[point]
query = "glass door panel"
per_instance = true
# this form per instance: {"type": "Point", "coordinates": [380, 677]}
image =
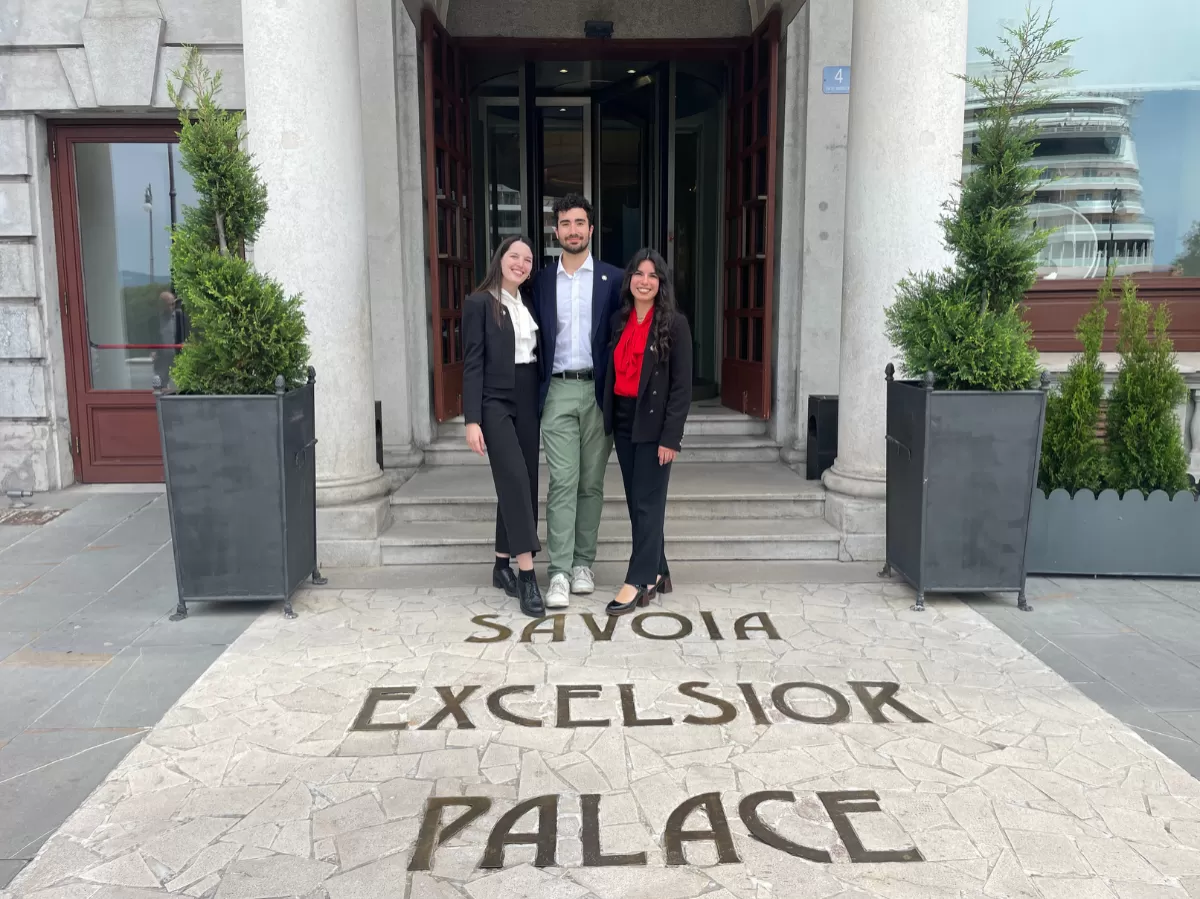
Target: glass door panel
{"type": "Point", "coordinates": [565, 138]}
{"type": "Point", "coordinates": [503, 164]}
{"type": "Point", "coordinates": [698, 126]}
{"type": "Point", "coordinates": [625, 119]}
{"type": "Point", "coordinates": [128, 197]}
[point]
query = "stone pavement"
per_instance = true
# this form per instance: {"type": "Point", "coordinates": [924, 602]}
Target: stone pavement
{"type": "Point", "coordinates": [758, 741]}
{"type": "Point", "coordinates": [88, 661]}
{"type": "Point", "coordinates": [1132, 646]}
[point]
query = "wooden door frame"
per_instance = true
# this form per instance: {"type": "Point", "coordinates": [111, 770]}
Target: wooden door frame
{"type": "Point", "coordinates": [61, 137]}
{"type": "Point", "coordinates": [447, 375]}
{"type": "Point", "coordinates": [734, 215]}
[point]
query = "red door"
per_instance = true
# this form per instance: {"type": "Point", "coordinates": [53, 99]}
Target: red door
{"type": "Point", "coordinates": [448, 207]}
{"type": "Point", "coordinates": [118, 188]}
{"type": "Point", "coordinates": [750, 224]}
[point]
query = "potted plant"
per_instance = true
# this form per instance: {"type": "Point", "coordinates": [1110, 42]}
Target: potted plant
{"type": "Point", "coordinates": [964, 434]}
{"type": "Point", "coordinates": [238, 427]}
{"type": "Point", "coordinates": [1124, 506]}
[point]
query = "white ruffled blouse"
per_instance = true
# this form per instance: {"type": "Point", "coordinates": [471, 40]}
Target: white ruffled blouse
{"type": "Point", "coordinates": [524, 327]}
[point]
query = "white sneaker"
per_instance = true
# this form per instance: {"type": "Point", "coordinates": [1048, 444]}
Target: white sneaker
{"type": "Point", "coordinates": [582, 580]}
{"type": "Point", "coordinates": [559, 594]}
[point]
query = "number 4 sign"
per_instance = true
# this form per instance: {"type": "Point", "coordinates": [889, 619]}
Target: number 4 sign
{"type": "Point", "coordinates": [836, 80]}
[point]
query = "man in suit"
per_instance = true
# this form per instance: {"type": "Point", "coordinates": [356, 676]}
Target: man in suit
{"type": "Point", "coordinates": [574, 302]}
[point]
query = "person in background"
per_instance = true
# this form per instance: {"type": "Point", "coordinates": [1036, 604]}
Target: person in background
{"type": "Point", "coordinates": [575, 301]}
{"type": "Point", "coordinates": [647, 395]}
{"type": "Point", "coordinates": [500, 407]}
{"type": "Point", "coordinates": [170, 335]}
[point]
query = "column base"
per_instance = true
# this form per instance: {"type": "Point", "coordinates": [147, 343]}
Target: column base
{"type": "Point", "coordinates": [344, 491]}
{"type": "Point", "coordinates": [348, 531]}
{"type": "Point", "coordinates": [406, 456]}
{"type": "Point", "coordinates": [857, 506]}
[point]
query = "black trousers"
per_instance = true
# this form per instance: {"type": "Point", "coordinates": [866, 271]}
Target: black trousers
{"type": "Point", "coordinates": [510, 430]}
{"type": "Point", "coordinates": [645, 495]}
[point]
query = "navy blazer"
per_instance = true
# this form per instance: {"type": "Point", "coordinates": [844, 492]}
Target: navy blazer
{"type": "Point", "coordinates": [606, 300]}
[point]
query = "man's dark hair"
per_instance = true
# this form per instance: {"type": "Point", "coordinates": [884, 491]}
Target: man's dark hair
{"type": "Point", "coordinates": [572, 201]}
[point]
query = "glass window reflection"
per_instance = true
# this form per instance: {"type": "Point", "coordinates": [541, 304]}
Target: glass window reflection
{"type": "Point", "coordinates": [1121, 143]}
{"type": "Point", "coordinates": [129, 195]}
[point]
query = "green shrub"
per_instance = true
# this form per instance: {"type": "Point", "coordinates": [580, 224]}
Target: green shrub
{"type": "Point", "coordinates": [1145, 447]}
{"type": "Point", "coordinates": [936, 321]}
{"type": "Point", "coordinates": [244, 330]}
{"type": "Point", "coordinates": [964, 324]}
{"type": "Point", "coordinates": [1072, 453]}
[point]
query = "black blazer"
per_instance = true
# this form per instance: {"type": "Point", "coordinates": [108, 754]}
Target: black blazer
{"type": "Point", "coordinates": [606, 300]}
{"type": "Point", "coordinates": [665, 393]}
{"type": "Point", "coordinates": [489, 352]}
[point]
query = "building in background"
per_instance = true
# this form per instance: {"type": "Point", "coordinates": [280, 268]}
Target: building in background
{"type": "Point", "coordinates": [1091, 190]}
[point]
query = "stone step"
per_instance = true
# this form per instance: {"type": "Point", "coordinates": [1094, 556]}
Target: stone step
{"type": "Point", "coordinates": [717, 448]}
{"type": "Point", "coordinates": [699, 492]}
{"type": "Point", "coordinates": [704, 421]}
{"type": "Point", "coordinates": [465, 542]}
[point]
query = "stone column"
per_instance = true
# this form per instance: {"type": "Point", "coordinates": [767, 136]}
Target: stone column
{"type": "Point", "coordinates": [903, 160]}
{"type": "Point", "coordinates": [304, 116]}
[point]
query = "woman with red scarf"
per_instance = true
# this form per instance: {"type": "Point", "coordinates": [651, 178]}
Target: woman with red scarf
{"type": "Point", "coordinates": [647, 395]}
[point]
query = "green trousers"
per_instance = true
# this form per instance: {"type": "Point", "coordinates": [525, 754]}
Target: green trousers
{"type": "Point", "coordinates": [577, 452]}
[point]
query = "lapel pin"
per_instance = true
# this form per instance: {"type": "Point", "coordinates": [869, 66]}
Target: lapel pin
{"type": "Point", "coordinates": [604, 277]}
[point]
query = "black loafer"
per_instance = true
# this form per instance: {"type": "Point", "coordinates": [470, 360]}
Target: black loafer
{"type": "Point", "coordinates": [504, 579]}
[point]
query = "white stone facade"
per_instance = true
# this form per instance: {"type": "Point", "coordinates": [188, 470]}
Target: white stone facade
{"type": "Point", "coordinates": [346, 94]}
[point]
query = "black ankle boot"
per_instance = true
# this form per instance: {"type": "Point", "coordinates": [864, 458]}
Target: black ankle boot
{"type": "Point", "coordinates": [504, 579]}
{"type": "Point", "coordinates": [530, 595]}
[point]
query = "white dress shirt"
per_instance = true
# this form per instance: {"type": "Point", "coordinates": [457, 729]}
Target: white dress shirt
{"type": "Point", "coordinates": [573, 348]}
{"type": "Point", "coordinates": [524, 327]}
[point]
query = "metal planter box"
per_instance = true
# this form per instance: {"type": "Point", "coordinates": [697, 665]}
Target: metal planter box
{"type": "Point", "coordinates": [961, 468]}
{"type": "Point", "coordinates": [1130, 536]}
{"type": "Point", "coordinates": [241, 494]}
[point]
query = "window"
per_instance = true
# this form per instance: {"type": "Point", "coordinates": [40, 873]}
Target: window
{"type": "Point", "coordinates": [1121, 143]}
{"type": "Point", "coordinates": [129, 196]}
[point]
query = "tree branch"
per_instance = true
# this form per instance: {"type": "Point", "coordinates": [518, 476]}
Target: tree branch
{"type": "Point", "coordinates": [224, 248]}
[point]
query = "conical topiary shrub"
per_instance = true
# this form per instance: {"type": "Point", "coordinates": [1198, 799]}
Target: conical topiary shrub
{"type": "Point", "coordinates": [964, 323]}
{"type": "Point", "coordinates": [244, 330]}
{"type": "Point", "coordinates": [1072, 453]}
{"type": "Point", "coordinates": [1145, 447]}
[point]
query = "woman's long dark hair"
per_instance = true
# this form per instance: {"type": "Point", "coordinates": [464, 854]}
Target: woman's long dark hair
{"type": "Point", "coordinates": [665, 305]}
{"type": "Point", "coordinates": [493, 278]}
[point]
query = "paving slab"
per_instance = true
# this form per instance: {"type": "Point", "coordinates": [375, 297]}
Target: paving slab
{"type": "Point", "coordinates": [88, 660]}
{"type": "Point", "coordinates": [736, 740]}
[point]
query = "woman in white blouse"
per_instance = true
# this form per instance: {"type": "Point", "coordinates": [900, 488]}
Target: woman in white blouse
{"type": "Point", "coordinates": [500, 406]}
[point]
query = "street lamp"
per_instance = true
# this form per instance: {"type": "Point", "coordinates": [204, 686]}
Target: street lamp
{"type": "Point", "coordinates": [148, 205]}
{"type": "Point", "coordinates": [1116, 202]}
